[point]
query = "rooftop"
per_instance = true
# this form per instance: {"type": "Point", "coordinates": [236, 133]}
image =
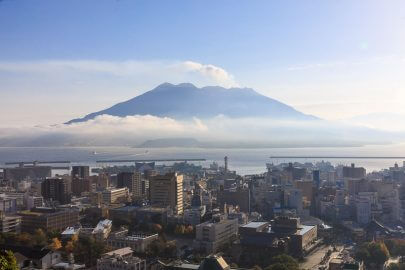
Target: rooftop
{"type": "Point", "coordinates": [304, 229]}
{"type": "Point", "coordinates": [70, 231]}
{"type": "Point", "coordinates": [120, 252]}
{"type": "Point", "coordinates": [254, 225]}
{"type": "Point", "coordinates": [102, 225]}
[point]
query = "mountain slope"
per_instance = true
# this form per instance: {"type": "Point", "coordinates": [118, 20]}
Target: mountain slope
{"type": "Point", "coordinates": [186, 101]}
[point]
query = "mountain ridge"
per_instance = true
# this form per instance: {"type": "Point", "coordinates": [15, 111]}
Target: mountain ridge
{"type": "Point", "coordinates": [185, 100]}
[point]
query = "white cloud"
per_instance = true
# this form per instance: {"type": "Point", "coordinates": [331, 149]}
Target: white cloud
{"type": "Point", "coordinates": [55, 91]}
{"type": "Point", "coordinates": [216, 73]}
{"type": "Point", "coordinates": [127, 68]}
{"type": "Point", "coordinates": [221, 131]}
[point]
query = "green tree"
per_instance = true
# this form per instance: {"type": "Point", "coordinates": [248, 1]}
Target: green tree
{"type": "Point", "coordinates": [8, 261]}
{"type": "Point", "coordinates": [283, 262]}
{"type": "Point", "coordinates": [373, 253]}
{"type": "Point", "coordinates": [277, 266]}
{"type": "Point", "coordinates": [40, 238]}
{"type": "Point", "coordinates": [87, 250]}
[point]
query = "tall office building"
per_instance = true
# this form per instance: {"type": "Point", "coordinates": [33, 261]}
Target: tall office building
{"type": "Point", "coordinates": [55, 189]}
{"type": "Point", "coordinates": [316, 178]}
{"type": "Point", "coordinates": [354, 172]}
{"type": "Point", "coordinates": [102, 181]}
{"type": "Point", "coordinates": [131, 180]}
{"type": "Point", "coordinates": [167, 190]}
{"type": "Point", "coordinates": [80, 185]}
{"type": "Point", "coordinates": [240, 197]}
{"type": "Point", "coordinates": [80, 172]}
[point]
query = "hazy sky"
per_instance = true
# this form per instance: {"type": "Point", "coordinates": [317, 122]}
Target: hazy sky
{"type": "Point", "coordinates": [335, 59]}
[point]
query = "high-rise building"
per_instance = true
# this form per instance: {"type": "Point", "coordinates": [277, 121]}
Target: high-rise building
{"type": "Point", "coordinates": [306, 186]}
{"type": "Point", "coordinates": [363, 210]}
{"type": "Point", "coordinates": [131, 180]}
{"type": "Point", "coordinates": [354, 172]}
{"type": "Point", "coordinates": [294, 199]}
{"type": "Point", "coordinates": [400, 203]}
{"type": "Point", "coordinates": [55, 189]}
{"type": "Point", "coordinates": [102, 181]}
{"type": "Point", "coordinates": [316, 178]}
{"type": "Point", "coordinates": [80, 172]}
{"type": "Point", "coordinates": [240, 197]}
{"type": "Point", "coordinates": [80, 185]}
{"type": "Point", "coordinates": [167, 190]}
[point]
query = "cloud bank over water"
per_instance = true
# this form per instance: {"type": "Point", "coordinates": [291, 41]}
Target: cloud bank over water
{"type": "Point", "coordinates": [220, 131]}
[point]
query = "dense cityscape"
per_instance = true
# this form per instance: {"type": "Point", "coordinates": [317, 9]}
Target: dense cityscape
{"type": "Point", "coordinates": [149, 215]}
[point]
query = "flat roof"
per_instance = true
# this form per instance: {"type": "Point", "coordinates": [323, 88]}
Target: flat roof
{"type": "Point", "coordinates": [28, 212]}
{"type": "Point", "coordinates": [304, 229]}
{"type": "Point", "coordinates": [188, 266]}
{"type": "Point", "coordinates": [121, 252]}
{"type": "Point", "coordinates": [255, 224]}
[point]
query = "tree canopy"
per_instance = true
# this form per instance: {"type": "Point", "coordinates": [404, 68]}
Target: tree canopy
{"type": "Point", "coordinates": [283, 262]}
{"type": "Point", "coordinates": [8, 260]}
{"type": "Point", "coordinates": [373, 253]}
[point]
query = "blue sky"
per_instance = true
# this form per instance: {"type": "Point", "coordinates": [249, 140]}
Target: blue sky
{"type": "Point", "coordinates": [335, 59]}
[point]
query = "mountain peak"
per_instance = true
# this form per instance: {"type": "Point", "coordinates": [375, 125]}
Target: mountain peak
{"type": "Point", "coordinates": [184, 101]}
{"type": "Point", "coordinates": [168, 85]}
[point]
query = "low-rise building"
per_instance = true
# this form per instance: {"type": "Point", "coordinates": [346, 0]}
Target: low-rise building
{"type": "Point", "coordinates": [122, 259]}
{"type": "Point", "coordinates": [113, 195]}
{"type": "Point", "coordinates": [342, 264]}
{"type": "Point", "coordinates": [8, 205]}
{"type": "Point", "coordinates": [148, 214]}
{"type": "Point", "coordinates": [212, 262]}
{"type": "Point", "coordinates": [103, 229]}
{"type": "Point", "coordinates": [32, 256]}
{"type": "Point", "coordinates": [212, 235]}
{"type": "Point", "coordinates": [10, 223]}
{"type": "Point", "coordinates": [69, 232]}
{"type": "Point", "coordinates": [263, 234]}
{"type": "Point", "coordinates": [48, 219]}
{"type": "Point", "coordinates": [34, 201]}
{"type": "Point", "coordinates": [138, 242]}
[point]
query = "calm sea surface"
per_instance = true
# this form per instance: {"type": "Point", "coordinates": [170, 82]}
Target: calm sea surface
{"type": "Point", "coordinates": [244, 161]}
